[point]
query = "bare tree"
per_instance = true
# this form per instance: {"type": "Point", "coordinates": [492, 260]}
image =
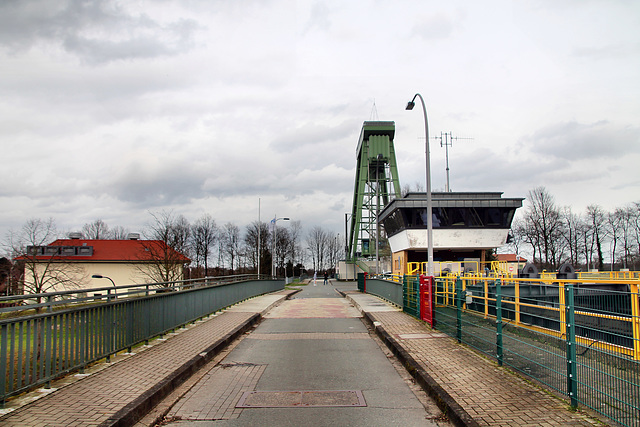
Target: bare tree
{"type": "Point", "coordinates": [283, 248]}
{"type": "Point", "coordinates": [518, 236]}
{"type": "Point", "coordinates": [96, 230]}
{"type": "Point", "coordinates": [628, 221]}
{"type": "Point", "coordinates": [573, 228]}
{"type": "Point", "coordinates": [297, 253]}
{"type": "Point", "coordinates": [333, 250]}
{"type": "Point", "coordinates": [119, 233]}
{"type": "Point", "coordinates": [205, 232]}
{"type": "Point", "coordinates": [44, 269]}
{"type": "Point", "coordinates": [230, 242]}
{"type": "Point", "coordinates": [636, 231]}
{"type": "Point", "coordinates": [614, 231]}
{"type": "Point", "coordinates": [255, 251]}
{"type": "Point", "coordinates": [543, 227]}
{"type": "Point", "coordinates": [317, 247]}
{"type": "Point", "coordinates": [596, 221]}
{"type": "Point", "coordinates": [417, 188]}
{"type": "Point", "coordinates": [166, 251]}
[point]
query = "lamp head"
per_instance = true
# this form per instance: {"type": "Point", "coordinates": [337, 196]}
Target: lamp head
{"type": "Point", "coordinates": [97, 276]}
{"type": "Point", "coordinates": [410, 105]}
{"type": "Point", "coordinates": [285, 219]}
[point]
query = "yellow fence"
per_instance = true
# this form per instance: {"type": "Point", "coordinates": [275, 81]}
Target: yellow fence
{"type": "Point", "coordinates": [612, 302]}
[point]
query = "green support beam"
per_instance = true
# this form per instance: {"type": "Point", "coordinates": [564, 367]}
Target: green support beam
{"type": "Point", "coordinates": [376, 184]}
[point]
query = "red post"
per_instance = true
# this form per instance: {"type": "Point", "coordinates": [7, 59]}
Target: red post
{"type": "Point", "coordinates": [426, 299]}
{"type": "Point", "coordinates": [365, 283]}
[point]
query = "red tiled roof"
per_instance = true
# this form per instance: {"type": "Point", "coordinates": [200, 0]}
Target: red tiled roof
{"type": "Point", "coordinates": [510, 258]}
{"type": "Point", "coordinates": [117, 250]}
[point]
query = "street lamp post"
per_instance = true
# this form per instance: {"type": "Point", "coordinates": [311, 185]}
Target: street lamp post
{"type": "Point", "coordinates": [99, 276]}
{"type": "Point", "coordinates": [410, 106]}
{"type": "Point", "coordinates": [275, 231]}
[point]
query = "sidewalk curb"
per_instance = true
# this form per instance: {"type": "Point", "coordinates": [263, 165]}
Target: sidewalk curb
{"type": "Point", "coordinates": [136, 409]}
{"type": "Point", "coordinates": [445, 402]}
{"type": "Point", "coordinates": [456, 413]}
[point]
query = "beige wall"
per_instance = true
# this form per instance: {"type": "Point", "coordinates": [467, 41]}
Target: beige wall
{"type": "Point", "coordinates": [81, 272]}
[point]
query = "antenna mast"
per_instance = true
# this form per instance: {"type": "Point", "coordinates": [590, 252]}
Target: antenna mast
{"type": "Point", "coordinates": [446, 140]}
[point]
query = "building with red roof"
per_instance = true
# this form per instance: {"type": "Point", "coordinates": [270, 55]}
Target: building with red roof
{"type": "Point", "coordinates": [73, 262]}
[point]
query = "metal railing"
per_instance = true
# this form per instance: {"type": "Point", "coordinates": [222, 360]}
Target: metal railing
{"type": "Point", "coordinates": [580, 339]}
{"type": "Point", "coordinates": [77, 329]}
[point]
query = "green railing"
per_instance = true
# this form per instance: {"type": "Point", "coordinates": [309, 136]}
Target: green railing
{"type": "Point", "coordinates": [37, 348]}
{"type": "Point", "coordinates": [387, 287]}
{"type": "Point", "coordinates": [580, 339]}
{"type": "Point", "coordinates": [410, 294]}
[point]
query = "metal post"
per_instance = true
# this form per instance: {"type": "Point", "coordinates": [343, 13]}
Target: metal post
{"type": "Point", "coordinates": [499, 348]}
{"type": "Point", "coordinates": [635, 320]}
{"type": "Point", "coordinates": [259, 230]}
{"type": "Point", "coordinates": [572, 366]}
{"type": "Point", "coordinates": [4, 330]}
{"type": "Point", "coordinates": [410, 106]}
{"type": "Point", "coordinates": [458, 290]}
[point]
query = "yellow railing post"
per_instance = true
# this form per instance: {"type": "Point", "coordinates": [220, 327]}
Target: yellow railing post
{"type": "Point", "coordinates": [563, 314]}
{"type": "Point", "coordinates": [635, 320]}
{"type": "Point", "coordinates": [464, 289]}
{"type": "Point", "coordinates": [516, 285]}
{"type": "Point", "coordinates": [486, 298]}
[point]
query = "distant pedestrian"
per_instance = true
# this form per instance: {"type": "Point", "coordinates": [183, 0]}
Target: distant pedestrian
{"type": "Point", "coordinates": [326, 277]}
{"type": "Point", "coordinates": [315, 277]}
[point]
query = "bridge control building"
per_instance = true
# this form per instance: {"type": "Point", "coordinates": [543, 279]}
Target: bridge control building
{"type": "Point", "coordinates": [383, 223]}
{"type": "Point", "coordinates": [465, 226]}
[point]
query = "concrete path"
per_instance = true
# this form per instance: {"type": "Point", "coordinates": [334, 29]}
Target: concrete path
{"type": "Point", "coordinates": [310, 362]}
{"type": "Point", "coordinates": [471, 389]}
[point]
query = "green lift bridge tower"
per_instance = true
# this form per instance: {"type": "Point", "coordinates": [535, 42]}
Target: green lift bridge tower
{"type": "Point", "coordinates": [376, 184]}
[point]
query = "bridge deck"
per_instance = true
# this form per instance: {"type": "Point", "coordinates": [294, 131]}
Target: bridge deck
{"type": "Point", "coordinates": [473, 390]}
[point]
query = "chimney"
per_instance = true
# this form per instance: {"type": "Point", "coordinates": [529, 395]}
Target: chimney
{"type": "Point", "coordinates": [133, 236]}
{"type": "Point", "coordinates": [75, 235]}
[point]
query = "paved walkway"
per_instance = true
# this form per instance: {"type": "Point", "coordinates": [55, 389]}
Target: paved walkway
{"type": "Point", "coordinates": [472, 390]}
{"type": "Point", "coordinates": [469, 388]}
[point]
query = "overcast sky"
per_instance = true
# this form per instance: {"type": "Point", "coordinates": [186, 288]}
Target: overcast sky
{"type": "Point", "coordinates": [114, 109]}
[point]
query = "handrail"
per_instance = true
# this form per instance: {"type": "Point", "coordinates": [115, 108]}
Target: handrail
{"type": "Point", "coordinates": [13, 303]}
{"type": "Point", "coordinates": [36, 348]}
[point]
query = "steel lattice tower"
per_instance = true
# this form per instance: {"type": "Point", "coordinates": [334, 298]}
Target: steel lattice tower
{"type": "Point", "coordinates": [375, 185]}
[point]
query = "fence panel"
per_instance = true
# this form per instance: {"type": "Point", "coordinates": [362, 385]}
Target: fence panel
{"type": "Point", "coordinates": [410, 295]}
{"type": "Point", "coordinates": [580, 339]}
{"type": "Point", "coordinates": [36, 349]}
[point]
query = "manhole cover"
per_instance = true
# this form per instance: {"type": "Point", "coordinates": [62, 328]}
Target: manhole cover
{"type": "Point", "coordinates": [296, 399]}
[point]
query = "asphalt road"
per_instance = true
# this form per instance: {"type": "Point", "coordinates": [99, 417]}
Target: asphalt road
{"type": "Point", "coordinates": [311, 362]}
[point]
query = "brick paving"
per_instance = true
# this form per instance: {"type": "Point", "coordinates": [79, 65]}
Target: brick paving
{"type": "Point", "coordinates": [490, 395]}
{"type": "Point", "coordinates": [122, 392]}
{"type": "Point", "coordinates": [215, 396]}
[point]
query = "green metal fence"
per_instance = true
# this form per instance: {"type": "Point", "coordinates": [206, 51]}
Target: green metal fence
{"type": "Point", "coordinates": [411, 295]}
{"type": "Point", "coordinates": [580, 339]}
{"type": "Point", "coordinates": [38, 348]}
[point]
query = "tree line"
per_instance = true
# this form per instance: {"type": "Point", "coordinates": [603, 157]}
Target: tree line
{"type": "Point", "coordinates": [594, 239]}
{"type": "Point", "coordinates": [213, 249]}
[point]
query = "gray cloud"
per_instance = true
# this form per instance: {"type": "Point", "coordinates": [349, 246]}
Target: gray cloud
{"type": "Point", "coordinates": [572, 140]}
{"type": "Point", "coordinates": [111, 109]}
{"type": "Point", "coordinates": [97, 32]}
{"type": "Point", "coordinates": [433, 27]}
